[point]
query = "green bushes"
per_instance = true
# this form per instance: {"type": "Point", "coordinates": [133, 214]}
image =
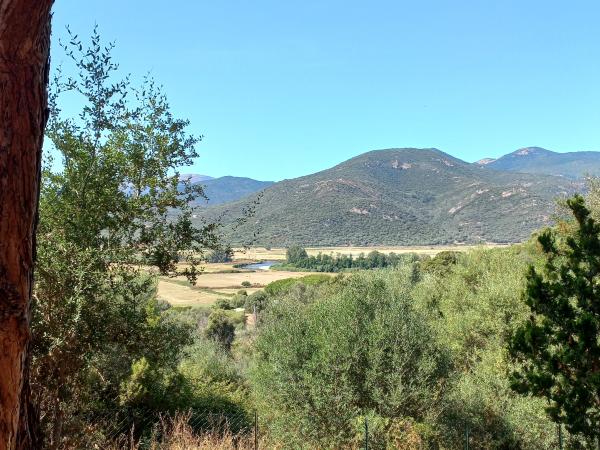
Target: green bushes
{"type": "Point", "coordinates": [281, 286]}
{"type": "Point", "coordinates": [422, 355]}
{"type": "Point", "coordinates": [558, 345]}
{"type": "Point", "coordinates": [295, 254]}
{"type": "Point", "coordinates": [220, 329]}
{"type": "Point", "coordinates": [359, 349]}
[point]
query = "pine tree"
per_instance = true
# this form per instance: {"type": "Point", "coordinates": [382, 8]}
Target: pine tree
{"type": "Point", "coordinates": [558, 349]}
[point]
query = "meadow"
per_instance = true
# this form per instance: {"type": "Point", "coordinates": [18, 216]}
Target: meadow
{"type": "Point", "coordinates": [218, 280]}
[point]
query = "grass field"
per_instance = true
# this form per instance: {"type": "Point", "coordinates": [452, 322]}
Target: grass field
{"type": "Point", "coordinates": [277, 254]}
{"type": "Point", "coordinates": [217, 281]}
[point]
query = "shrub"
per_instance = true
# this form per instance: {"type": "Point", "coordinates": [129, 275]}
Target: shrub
{"type": "Point", "coordinates": [220, 329]}
{"type": "Point", "coordinates": [281, 286]}
{"type": "Point", "coordinates": [362, 348]}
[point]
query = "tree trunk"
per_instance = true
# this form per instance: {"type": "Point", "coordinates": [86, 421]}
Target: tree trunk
{"type": "Point", "coordinates": [24, 63]}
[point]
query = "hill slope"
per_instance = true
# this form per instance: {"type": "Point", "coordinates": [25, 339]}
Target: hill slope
{"type": "Point", "coordinates": [539, 160]}
{"type": "Point", "coordinates": [228, 189]}
{"type": "Point", "coordinates": [399, 197]}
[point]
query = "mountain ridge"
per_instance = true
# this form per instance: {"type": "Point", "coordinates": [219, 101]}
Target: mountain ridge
{"type": "Point", "coordinates": [400, 196]}
{"type": "Point", "coordinates": [538, 160]}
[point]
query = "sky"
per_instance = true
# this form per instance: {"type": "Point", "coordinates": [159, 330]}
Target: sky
{"type": "Point", "coordinates": [281, 89]}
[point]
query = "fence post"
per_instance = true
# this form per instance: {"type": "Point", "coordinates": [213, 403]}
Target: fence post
{"type": "Point", "coordinates": [467, 437]}
{"type": "Point", "coordinates": [560, 437]}
{"type": "Point", "coordinates": [255, 430]}
{"type": "Point", "coordinates": [366, 434]}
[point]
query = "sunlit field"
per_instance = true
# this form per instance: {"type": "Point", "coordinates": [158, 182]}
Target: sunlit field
{"type": "Point", "coordinates": [277, 254]}
{"type": "Point", "coordinates": [217, 281]}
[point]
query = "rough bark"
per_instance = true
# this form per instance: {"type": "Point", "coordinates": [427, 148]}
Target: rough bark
{"type": "Point", "coordinates": [24, 63]}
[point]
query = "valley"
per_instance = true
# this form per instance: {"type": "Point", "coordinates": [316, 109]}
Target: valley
{"type": "Point", "coordinates": [224, 280]}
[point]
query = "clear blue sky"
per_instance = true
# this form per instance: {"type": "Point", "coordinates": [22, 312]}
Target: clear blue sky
{"type": "Point", "coordinates": [285, 88]}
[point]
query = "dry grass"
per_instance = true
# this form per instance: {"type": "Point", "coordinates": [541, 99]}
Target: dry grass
{"type": "Point", "coordinates": [211, 286]}
{"type": "Point", "coordinates": [180, 295]}
{"type": "Point", "coordinates": [235, 280]}
{"type": "Point", "coordinates": [177, 435]}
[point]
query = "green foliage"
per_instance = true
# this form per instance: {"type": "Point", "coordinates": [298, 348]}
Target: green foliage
{"type": "Point", "coordinates": [558, 347]}
{"type": "Point", "coordinates": [119, 178]}
{"type": "Point", "coordinates": [468, 309]}
{"type": "Point", "coordinates": [220, 329]}
{"type": "Point", "coordinates": [220, 255]}
{"type": "Point", "coordinates": [281, 286]}
{"type": "Point", "coordinates": [215, 385]}
{"type": "Point", "coordinates": [258, 300]}
{"type": "Point", "coordinates": [295, 254]}
{"type": "Point", "coordinates": [246, 284]}
{"type": "Point", "coordinates": [223, 303]}
{"type": "Point", "coordinates": [101, 340]}
{"type": "Point", "coordinates": [440, 263]}
{"type": "Point", "coordinates": [358, 349]}
{"type": "Point", "coordinates": [329, 263]}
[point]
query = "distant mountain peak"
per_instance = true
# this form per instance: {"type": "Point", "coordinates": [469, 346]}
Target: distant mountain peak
{"type": "Point", "coordinates": [528, 151]}
{"type": "Point", "coordinates": [195, 177]}
{"type": "Point", "coordinates": [573, 165]}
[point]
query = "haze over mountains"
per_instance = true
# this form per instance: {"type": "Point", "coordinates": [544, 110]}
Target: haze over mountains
{"type": "Point", "coordinates": [408, 197]}
{"type": "Point", "coordinates": [539, 160]}
{"type": "Point", "coordinates": [227, 189]}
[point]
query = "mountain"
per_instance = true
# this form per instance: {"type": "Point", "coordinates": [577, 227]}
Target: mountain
{"type": "Point", "coordinates": [539, 160]}
{"type": "Point", "coordinates": [398, 197]}
{"type": "Point", "coordinates": [228, 189]}
{"type": "Point", "coordinates": [196, 178]}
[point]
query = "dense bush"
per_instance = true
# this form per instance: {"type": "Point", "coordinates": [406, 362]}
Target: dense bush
{"type": "Point", "coordinates": [281, 286]}
{"type": "Point", "coordinates": [360, 348]}
{"type": "Point", "coordinates": [220, 329]}
{"type": "Point", "coordinates": [421, 356]}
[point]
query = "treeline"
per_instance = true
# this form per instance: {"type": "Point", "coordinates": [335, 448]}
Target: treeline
{"type": "Point", "coordinates": [298, 258]}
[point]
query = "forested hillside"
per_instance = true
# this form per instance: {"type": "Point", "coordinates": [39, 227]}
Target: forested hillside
{"type": "Point", "coordinates": [399, 196]}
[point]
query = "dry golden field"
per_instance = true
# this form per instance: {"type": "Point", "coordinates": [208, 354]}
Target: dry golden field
{"type": "Point", "coordinates": [216, 282]}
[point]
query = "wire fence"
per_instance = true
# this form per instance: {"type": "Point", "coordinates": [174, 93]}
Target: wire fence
{"type": "Point", "coordinates": [144, 427]}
